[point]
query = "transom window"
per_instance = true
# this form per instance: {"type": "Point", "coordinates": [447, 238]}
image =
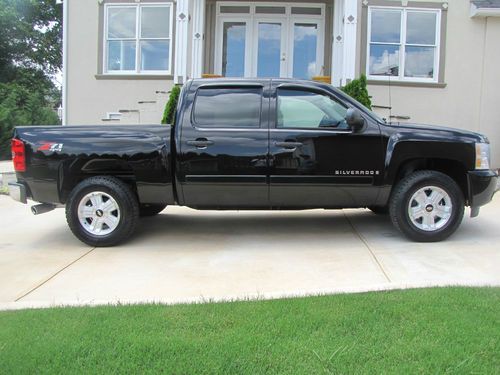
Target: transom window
{"type": "Point", "coordinates": [138, 38]}
{"type": "Point", "coordinates": [403, 43]}
{"type": "Point", "coordinates": [309, 110]}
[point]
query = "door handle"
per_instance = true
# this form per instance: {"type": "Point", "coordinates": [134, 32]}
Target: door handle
{"type": "Point", "coordinates": [288, 145]}
{"type": "Point", "coordinates": [200, 143]}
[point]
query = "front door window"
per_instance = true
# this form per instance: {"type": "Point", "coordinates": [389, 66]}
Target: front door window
{"type": "Point", "coordinates": [278, 40]}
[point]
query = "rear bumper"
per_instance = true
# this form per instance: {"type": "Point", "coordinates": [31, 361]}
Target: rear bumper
{"type": "Point", "coordinates": [482, 187]}
{"type": "Point", "coordinates": [17, 192]}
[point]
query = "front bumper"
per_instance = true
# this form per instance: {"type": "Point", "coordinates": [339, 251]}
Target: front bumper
{"type": "Point", "coordinates": [17, 192]}
{"type": "Point", "coordinates": [482, 187]}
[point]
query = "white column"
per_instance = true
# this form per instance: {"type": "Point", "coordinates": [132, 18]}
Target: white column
{"type": "Point", "coordinates": [345, 23]}
{"type": "Point", "coordinates": [350, 31]}
{"type": "Point", "coordinates": [181, 41]}
{"type": "Point", "coordinates": [338, 42]}
{"type": "Point", "coordinates": [198, 38]}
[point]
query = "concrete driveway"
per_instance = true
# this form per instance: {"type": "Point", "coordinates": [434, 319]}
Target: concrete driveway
{"type": "Point", "coordinates": [186, 255]}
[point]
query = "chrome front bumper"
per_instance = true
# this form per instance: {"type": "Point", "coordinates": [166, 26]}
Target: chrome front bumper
{"type": "Point", "coordinates": [17, 192]}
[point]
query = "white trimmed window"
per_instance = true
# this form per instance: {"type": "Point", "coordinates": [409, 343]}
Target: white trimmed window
{"type": "Point", "coordinates": [403, 44]}
{"type": "Point", "coordinates": [138, 38]}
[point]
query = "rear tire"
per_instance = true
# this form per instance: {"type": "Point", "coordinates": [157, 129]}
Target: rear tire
{"type": "Point", "coordinates": [427, 206]}
{"type": "Point", "coordinates": [102, 211]}
{"type": "Point", "coordinates": [151, 209]}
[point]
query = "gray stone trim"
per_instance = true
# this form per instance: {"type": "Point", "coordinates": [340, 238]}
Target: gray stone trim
{"type": "Point", "coordinates": [134, 77]}
{"type": "Point", "coordinates": [100, 33]}
{"type": "Point", "coordinates": [434, 85]}
{"type": "Point", "coordinates": [415, 4]}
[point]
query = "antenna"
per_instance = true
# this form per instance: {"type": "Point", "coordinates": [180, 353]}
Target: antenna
{"type": "Point", "coordinates": [390, 91]}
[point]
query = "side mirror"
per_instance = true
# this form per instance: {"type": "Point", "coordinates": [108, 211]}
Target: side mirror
{"type": "Point", "coordinates": [354, 119]}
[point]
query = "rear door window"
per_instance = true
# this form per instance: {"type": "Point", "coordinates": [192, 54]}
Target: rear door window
{"type": "Point", "coordinates": [228, 107]}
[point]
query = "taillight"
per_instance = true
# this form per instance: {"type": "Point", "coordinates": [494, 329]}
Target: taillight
{"type": "Point", "coordinates": [18, 155]}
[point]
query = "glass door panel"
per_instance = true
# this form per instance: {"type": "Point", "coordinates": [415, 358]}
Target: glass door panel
{"type": "Point", "coordinates": [269, 49]}
{"type": "Point", "coordinates": [305, 50]}
{"type": "Point", "coordinates": [233, 49]}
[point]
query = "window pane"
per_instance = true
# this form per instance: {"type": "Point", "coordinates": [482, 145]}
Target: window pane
{"type": "Point", "coordinates": [121, 55]}
{"type": "Point", "coordinates": [228, 107]}
{"type": "Point", "coordinates": [233, 49]}
{"type": "Point", "coordinates": [269, 52]}
{"type": "Point", "coordinates": [384, 60]}
{"type": "Point", "coordinates": [386, 26]}
{"type": "Point", "coordinates": [270, 10]}
{"type": "Point", "coordinates": [304, 109]}
{"type": "Point", "coordinates": [421, 28]}
{"type": "Point", "coordinates": [154, 54]}
{"type": "Point", "coordinates": [121, 22]}
{"type": "Point", "coordinates": [234, 9]}
{"type": "Point", "coordinates": [419, 62]}
{"type": "Point", "coordinates": [155, 22]}
{"type": "Point", "coordinates": [304, 50]}
{"type": "Point", "coordinates": [303, 10]}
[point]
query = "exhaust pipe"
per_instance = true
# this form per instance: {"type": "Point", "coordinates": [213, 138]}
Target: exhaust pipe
{"type": "Point", "coordinates": [42, 208]}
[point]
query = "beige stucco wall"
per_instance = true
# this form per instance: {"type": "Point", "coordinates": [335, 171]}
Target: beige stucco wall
{"type": "Point", "coordinates": [471, 98]}
{"type": "Point", "coordinates": [89, 99]}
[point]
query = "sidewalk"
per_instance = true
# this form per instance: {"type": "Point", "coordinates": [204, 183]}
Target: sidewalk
{"type": "Point", "coordinates": [6, 166]}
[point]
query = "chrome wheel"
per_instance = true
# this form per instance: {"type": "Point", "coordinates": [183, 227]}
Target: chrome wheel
{"type": "Point", "coordinates": [430, 208]}
{"type": "Point", "coordinates": [98, 213]}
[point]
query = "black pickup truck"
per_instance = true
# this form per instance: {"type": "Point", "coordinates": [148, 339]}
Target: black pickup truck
{"type": "Point", "coordinates": [260, 144]}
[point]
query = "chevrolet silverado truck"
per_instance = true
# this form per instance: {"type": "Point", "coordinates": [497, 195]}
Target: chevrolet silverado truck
{"type": "Point", "coordinates": [260, 144]}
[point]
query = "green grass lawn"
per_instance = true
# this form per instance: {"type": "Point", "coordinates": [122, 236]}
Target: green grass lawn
{"type": "Point", "coordinates": [438, 331]}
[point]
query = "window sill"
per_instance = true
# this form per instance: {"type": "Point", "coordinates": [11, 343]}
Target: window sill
{"type": "Point", "coordinates": [434, 85]}
{"type": "Point", "coordinates": [166, 77]}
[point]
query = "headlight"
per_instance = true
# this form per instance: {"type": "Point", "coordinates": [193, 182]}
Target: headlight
{"type": "Point", "coordinates": [482, 156]}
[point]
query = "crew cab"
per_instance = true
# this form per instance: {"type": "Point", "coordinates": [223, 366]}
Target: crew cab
{"type": "Point", "coordinates": [259, 144]}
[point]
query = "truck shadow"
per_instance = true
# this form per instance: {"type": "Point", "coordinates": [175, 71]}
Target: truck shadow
{"type": "Point", "coordinates": [202, 225]}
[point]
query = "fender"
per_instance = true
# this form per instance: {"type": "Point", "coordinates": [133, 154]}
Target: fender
{"type": "Point", "coordinates": [406, 144]}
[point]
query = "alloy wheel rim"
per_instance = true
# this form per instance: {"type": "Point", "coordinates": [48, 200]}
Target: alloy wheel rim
{"type": "Point", "coordinates": [430, 208]}
{"type": "Point", "coordinates": [98, 213]}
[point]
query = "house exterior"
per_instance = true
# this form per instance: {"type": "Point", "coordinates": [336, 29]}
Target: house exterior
{"type": "Point", "coordinates": [427, 61]}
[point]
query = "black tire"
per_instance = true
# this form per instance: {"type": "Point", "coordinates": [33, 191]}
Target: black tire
{"type": "Point", "coordinates": [127, 211]}
{"type": "Point", "coordinates": [399, 206]}
{"type": "Point", "coordinates": [379, 210]}
{"type": "Point", "coordinates": [151, 209]}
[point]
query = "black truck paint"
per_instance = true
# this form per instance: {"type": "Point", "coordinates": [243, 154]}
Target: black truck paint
{"type": "Point", "coordinates": [251, 165]}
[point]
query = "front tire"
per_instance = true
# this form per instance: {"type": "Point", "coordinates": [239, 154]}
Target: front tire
{"type": "Point", "coordinates": [427, 206]}
{"type": "Point", "coordinates": [102, 211]}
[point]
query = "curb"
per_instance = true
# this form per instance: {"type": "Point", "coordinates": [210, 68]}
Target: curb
{"type": "Point", "coordinates": [5, 178]}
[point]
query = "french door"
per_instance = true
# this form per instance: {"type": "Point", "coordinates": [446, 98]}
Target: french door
{"type": "Point", "coordinates": [287, 44]}
{"type": "Point", "coordinates": [269, 49]}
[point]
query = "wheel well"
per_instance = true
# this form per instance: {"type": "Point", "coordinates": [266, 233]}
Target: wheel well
{"type": "Point", "coordinates": [80, 170]}
{"type": "Point", "coordinates": [451, 168]}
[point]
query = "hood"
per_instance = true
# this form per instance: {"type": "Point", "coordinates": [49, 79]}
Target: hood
{"type": "Point", "coordinates": [440, 131]}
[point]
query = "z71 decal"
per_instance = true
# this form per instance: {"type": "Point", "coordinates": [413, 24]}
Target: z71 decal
{"type": "Point", "coordinates": [50, 146]}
